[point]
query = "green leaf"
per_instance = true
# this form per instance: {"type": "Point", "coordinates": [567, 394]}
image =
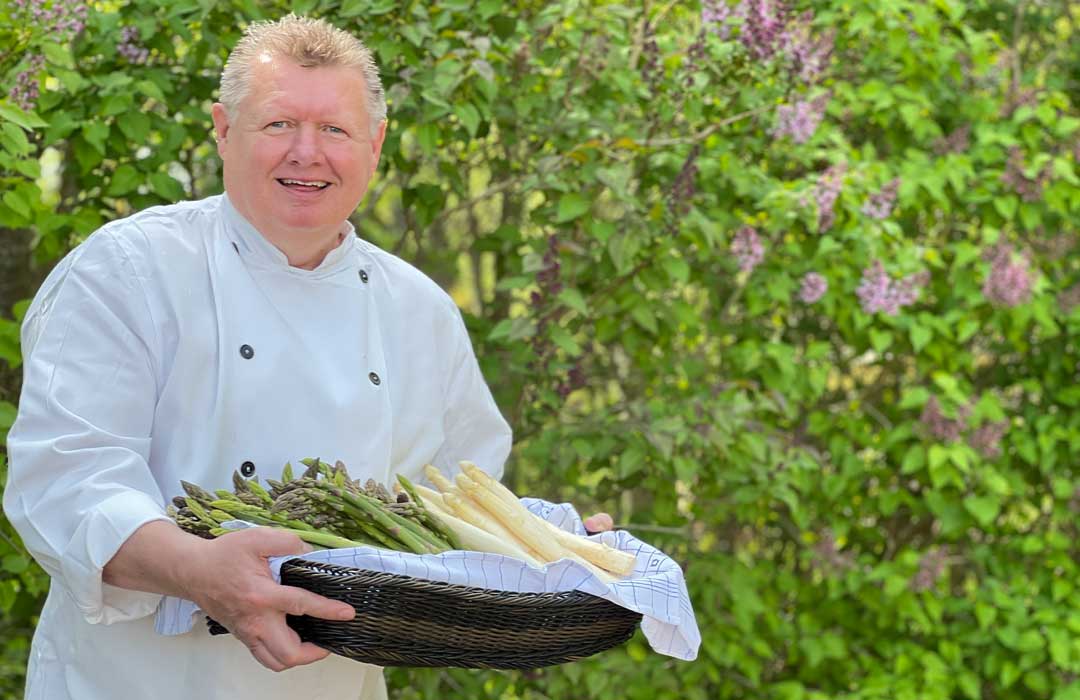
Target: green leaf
{"type": "Point", "coordinates": [95, 133]}
{"type": "Point", "coordinates": [352, 8]}
{"type": "Point", "coordinates": [116, 104]}
{"type": "Point", "coordinates": [166, 187]}
{"type": "Point", "coordinates": [677, 269]}
{"type": "Point", "coordinates": [124, 180]}
{"type": "Point", "coordinates": [1006, 206]}
{"type": "Point", "coordinates": [469, 116]}
{"type": "Point", "coordinates": [645, 318]}
{"type": "Point", "coordinates": [135, 125]}
{"type": "Point", "coordinates": [920, 336]}
{"type": "Point", "coordinates": [501, 329]}
{"type": "Point", "coordinates": [150, 89]}
{"type": "Point", "coordinates": [571, 206]}
{"type": "Point", "coordinates": [15, 563]}
{"type": "Point", "coordinates": [14, 139]}
{"type": "Point", "coordinates": [561, 337]}
{"type": "Point", "coordinates": [631, 461]}
{"type": "Point", "coordinates": [1069, 692]}
{"type": "Point", "coordinates": [914, 397]}
{"type": "Point", "coordinates": [16, 201]}
{"type": "Point", "coordinates": [881, 340]}
{"type": "Point", "coordinates": [914, 460]}
{"type": "Point", "coordinates": [573, 299]}
{"type": "Point", "coordinates": [58, 54]}
{"type": "Point", "coordinates": [427, 135]}
{"type": "Point", "coordinates": [27, 120]}
{"type": "Point", "coordinates": [984, 509]}
{"type": "Point", "coordinates": [969, 684]}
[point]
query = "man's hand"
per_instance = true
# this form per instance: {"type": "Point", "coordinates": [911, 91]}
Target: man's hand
{"type": "Point", "coordinates": [599, 522]}
{"type": "Point", "coordinates": [233, 585]}
{"type": "Point", "coordinates": [229, 578]}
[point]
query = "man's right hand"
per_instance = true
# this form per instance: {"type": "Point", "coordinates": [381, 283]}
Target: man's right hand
{"type": "Point", "coordinates": [233, 585]}
{"type": "Point", "coordinates": [229, 578]}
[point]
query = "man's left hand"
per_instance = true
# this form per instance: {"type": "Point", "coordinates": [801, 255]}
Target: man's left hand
{"type": "Point", "coordinates": [599, 522]}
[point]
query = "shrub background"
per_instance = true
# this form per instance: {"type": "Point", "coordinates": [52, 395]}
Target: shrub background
{"type": "Point", "coordinates": [789, 288]}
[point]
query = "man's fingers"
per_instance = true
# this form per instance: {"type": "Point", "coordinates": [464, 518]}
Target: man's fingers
{"type": "Point", "coordinates": [264, 657]}
{"type": "Point", "coordinates": [278, 647]}
{"type": "Point", "coordinates": [284, 644]}
{"type": "Point", "coordinates": [270, 542]}
{"type": "Point", "coordinates": [297, 601]}
{"type": "Point", "coordinates": [600, 522]}
{"type": "Point", "coordinates": [310, 653]}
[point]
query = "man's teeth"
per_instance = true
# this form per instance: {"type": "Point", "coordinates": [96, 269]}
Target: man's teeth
{"type": "Point", "coordinates": [306, 183]}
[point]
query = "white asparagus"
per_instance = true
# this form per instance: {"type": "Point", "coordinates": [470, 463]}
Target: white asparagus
{"type": "Point", "coordinates": [478, 540]}
{"type": "Point", "coordinates": [515, 520]}
{"type": "Point", "coordinates": [430, 496]}
{"type": "Point", "coordinates": [608, 558]}
{"type": "Point", "coordinates": [465, 509]}
{"type": "Point", "coordinates": [437, 479]}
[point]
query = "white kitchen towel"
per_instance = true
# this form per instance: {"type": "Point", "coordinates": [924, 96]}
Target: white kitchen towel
{"type": "Point", "coordinates": [656, 588]}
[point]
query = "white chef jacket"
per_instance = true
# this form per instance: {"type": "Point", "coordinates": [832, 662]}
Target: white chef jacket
{"type": "Point", "coordinates": [177, 344]}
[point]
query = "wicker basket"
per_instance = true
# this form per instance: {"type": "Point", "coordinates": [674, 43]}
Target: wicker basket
{"type": "Point", "coordinates": [404, 621]}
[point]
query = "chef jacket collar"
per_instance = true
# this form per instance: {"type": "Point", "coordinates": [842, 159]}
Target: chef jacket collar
{"type": "Point", "coordinates": [255, 249]}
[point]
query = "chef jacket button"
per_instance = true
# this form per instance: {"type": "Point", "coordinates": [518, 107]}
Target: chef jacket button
{"type": "Point", "coordinates": [247, 352]}
{"type": "Point", "coordinates": [374, 379]}
{"type": "Point", "coordinates": [363, 276]}
{"type": "Point", "coordinates": [247, 469]}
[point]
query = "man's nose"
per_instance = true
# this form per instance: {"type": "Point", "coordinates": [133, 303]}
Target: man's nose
{"type": "Point", "coordinates": [305, 148]}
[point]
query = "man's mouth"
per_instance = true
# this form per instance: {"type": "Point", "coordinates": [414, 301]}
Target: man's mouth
{"type": "Point", "coordinates": [304, 185]}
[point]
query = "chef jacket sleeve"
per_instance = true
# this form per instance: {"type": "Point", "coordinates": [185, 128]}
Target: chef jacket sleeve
{"type": "Point", "coordinates": [78, 482]}
{"type": "Point", "coordinates": [474, 429]}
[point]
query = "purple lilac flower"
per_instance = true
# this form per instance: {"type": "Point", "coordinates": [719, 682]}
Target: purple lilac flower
{"type": "Point", "coordinates": [880, 205]}
{"type": "Point", "coordinates": [825, 194]}
{"type": "Point", "coordinates": [747, 249]}
{"type": "Point", "coordinates": [938, 426]}
{"type": "Point", "coordinates": [1069, 299]}
{"type": "Point", "coordinates": [809, 55]}
{"type": "Point", "coordinates": [1029, 188]}
{"type": "Point", "coordinates": [763, 22]}
{"type": "Point", "coordinates": [957, 141]}
{"type": "Point", "coordinates": [800, 120]}
{"type": "Point", "coordinates": [879, 292]}
{"type": "Point", "coordinates": [549, 275]}
{"type": "Point", "coordinates": [812, 288]}
{"type": "Point", "coordinates": [1010, 279]}
{"type": "Point", "coordinates": [766, 28]}
{"type": "Point", "coordinates": [25, 91]}
{"type": "Point", "coordinates": [129, 46]}
{"type": "Point", "coordinates": [714, 15]}
{"type": "Point", "coordinates": [684, 187]}
{"type": "Point", "coordinates": [575, 379]}
{"type": "Point", "coordinates": [931, 567]}
{"type": "Point", "coordinates": [829, 554]}
{"type": "Point", "coordinates": [62, 21]}
{"type": "Point", "coordinates": [986, 440]}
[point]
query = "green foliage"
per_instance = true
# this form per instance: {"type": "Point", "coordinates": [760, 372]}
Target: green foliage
{"type": "Point", "coordinates": [869, 501]}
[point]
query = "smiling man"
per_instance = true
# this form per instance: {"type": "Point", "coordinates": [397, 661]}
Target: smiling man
{"type": "Point", "coordinates": [230, 334]}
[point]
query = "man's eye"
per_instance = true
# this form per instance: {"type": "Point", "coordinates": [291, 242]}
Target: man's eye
{"type": "Point", "coordinates": [277, 125]}
{"type": "Point", "coordinates": [335, 130]}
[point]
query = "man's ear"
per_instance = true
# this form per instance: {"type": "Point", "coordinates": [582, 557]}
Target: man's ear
{"type": "Point", "coordinates": [376, 146]}
{"type": "Point", "coordinates": [221, 126]}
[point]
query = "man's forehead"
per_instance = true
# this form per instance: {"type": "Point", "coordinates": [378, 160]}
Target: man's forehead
{"type": "Point", "coordinates": [274, 89]}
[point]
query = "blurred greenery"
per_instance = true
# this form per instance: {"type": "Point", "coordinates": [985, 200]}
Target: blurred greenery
{"type": "Point", "coordinates": [873, 490]}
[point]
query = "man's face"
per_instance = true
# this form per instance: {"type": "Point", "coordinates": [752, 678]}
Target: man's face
{"type": "Point", "coordinates": [298, 154]}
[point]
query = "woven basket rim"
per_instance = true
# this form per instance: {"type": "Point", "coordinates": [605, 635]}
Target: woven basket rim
{"type": "Point", "coordinates": [475, 593]}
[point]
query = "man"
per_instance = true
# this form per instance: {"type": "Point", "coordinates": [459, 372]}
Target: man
{"type": "Point", "coordinates": [232, 333]}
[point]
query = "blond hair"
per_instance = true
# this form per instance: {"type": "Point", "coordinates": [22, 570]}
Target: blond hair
{"type": "Point", "coordinates": [310, 43]}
